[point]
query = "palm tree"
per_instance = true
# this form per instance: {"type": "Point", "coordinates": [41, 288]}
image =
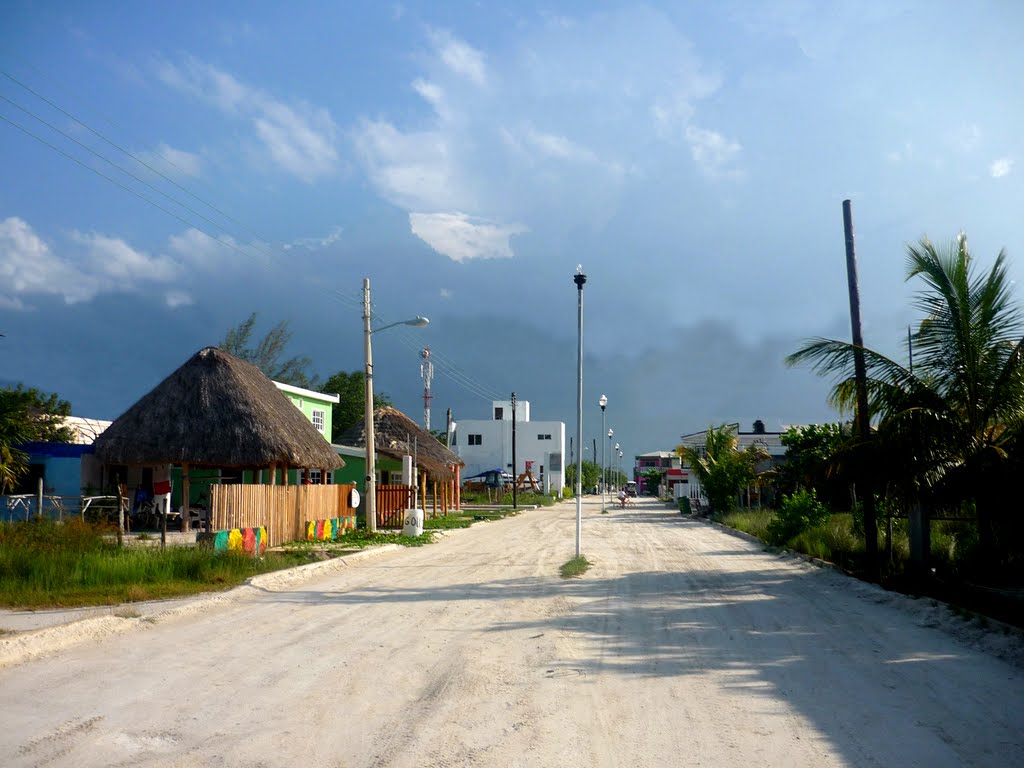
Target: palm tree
{"type": "Point", "coordinates": [953, 417]}
{"type": "Point", "coordinates": [721, 466]}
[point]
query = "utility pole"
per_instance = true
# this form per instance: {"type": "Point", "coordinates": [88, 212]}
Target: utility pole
{"type": "Point", "coordinates": [515, 478]}
{"type": "Point", "coordinates": [427, 373]}
{"type": "Point", "coordinates": [860, 381]}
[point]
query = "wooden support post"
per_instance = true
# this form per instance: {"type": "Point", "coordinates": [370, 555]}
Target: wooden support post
{"type": "Point", "coordinates": [434, 503]}
{"type": "Point", "coordinates": [186, 496]}
{"type": "Point", "coordinates": [273, 473]}
{"type": "Point", "coordinates": [120, 514]}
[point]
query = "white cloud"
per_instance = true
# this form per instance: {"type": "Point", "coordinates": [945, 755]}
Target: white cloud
{"type": "Point", "coordinates": [906, 154]}
{"type": "Point", "coordinates": [715, 155]}
{"type": "Point", "coordinates": [175, 299]}
{"type": "Point", "coordinates": [1001, 167]}
{"type": "Point", "coordinates": [461, 238]}
{"type": "Point", "coordinates": [445, 294]}
{"type": "Point", "coordinates": [460, 57]}
{"type": "Point", "coordinates": [509, 154]}
{"type": "Point", "coordinates": [315, 243]}
{"type": "Point", "coordinates": [122, 265]}
{"type": "Point", "coordinates": [197, 249]}
{"type": "Point", "coordinates": [173, 162]}
{"type": "Point", "coordinates": [559, 147]}
{"type": "Point", "coordinates": [299, 137]}
{"type": "Point", "coordinates": [413, 170]}
{"type": "Point", "coordinates": [28, 266]}
{"type": "Point", "coordinates": [88, 264]}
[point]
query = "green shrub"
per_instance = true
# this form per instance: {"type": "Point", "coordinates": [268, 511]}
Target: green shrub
{"type": "Point", "coordinates": [684, 505]}
{"type": "Point", "coordinates": [568, 493]}
{"type": "Point", "coordinates": [799, 512]}
{"type": "Point", "coordinates": [752, 521]}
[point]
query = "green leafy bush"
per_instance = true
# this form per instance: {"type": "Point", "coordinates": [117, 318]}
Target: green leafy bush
{"type": "Point", "coordinates": [799, 512]}
{"type": "Point", "coordinates": [684, 505]}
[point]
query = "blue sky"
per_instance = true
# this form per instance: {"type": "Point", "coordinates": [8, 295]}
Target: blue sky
{"type": "Point", "coordinates": [693, 157]}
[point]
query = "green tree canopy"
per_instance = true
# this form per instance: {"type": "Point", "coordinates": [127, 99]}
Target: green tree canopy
{"type": "Point", "coordinates": [351, 408]}
{"type": "Point", "coordinates": [591, 474]}
{"type": "Point", "coordinates": [266, 355]}
{"type": "Point", "coordinates": [721, 466]}
{"type": "Point", "coordinates": [946, 428]}
{"type": "Point", "coordinates": [28, 415]}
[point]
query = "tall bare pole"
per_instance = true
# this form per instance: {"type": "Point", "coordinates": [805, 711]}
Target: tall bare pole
{"type": "Point", "coordinates": [580, 279]}
{"type": "Point", "coordinates": [860, 380]}
{"type": "Point", "coordinates": [371, 449]}
{"type": "Point", "coordinates": [515, 476]}
{"type": "Point", "coordinates": [427, 372]}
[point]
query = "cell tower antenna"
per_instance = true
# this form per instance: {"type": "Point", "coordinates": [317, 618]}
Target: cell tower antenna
{"type": "Point", "coordinates": [427, 372]}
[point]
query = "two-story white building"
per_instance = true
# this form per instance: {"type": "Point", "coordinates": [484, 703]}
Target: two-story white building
{"type": "Point", "coordinates": [487, 444]}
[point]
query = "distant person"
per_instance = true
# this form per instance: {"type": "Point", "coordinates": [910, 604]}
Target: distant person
{"type": "Point", "coordinates": [622, 497]}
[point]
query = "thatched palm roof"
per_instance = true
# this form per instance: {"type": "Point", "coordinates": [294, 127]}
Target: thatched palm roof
{"type": "Point", "coordinates": [217, 411]}
{"type": "Point", "coordinates": [396, 435]}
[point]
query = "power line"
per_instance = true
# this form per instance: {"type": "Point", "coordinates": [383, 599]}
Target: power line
{"type": "Point", "coordinates": [133, 157]}
{"type": "Point", "coordinates": [446, 368]}
{"type": "Point", "coordinates": [110, 162]}
{"type": "Point", "coordinates": [122, 186]}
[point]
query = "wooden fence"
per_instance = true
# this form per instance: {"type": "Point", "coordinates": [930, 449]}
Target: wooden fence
{"type": "Point", "coordinates": [392, 501]}
{"type": "Point", "coordinates": [284, 510]}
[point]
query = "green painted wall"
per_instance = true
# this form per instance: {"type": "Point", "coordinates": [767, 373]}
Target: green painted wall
{"type": "Point", "coordinates": [309, 401]}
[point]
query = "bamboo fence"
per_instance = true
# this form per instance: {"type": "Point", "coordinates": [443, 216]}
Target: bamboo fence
{"type": "Point", "coordinates": [284, 510]}
{"type": "Point", "coordinates": [392, 501]}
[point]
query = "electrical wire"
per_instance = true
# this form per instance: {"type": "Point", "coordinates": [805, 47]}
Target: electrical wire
{"type": "Point", "coordinates": [444, 366]}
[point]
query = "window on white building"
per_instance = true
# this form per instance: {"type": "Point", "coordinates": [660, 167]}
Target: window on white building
{"type": "Point", "coordinates": [543, 437]}
{"type": "Point", "coordinates": [476, 439]}
{"type": "Point", "coordinates": [499, 414]}
{"type": "Point", "coordinates": [319, 417]}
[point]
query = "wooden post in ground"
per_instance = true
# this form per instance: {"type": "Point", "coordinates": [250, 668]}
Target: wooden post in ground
{"type": "Point", "coordinates": [120, 514]}
{"type": "Point", "coordinates": [860, 382]}
{"type": "Point", "coordinates": [186, 496]}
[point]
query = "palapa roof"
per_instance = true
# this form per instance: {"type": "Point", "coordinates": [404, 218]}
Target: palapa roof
{"type": "Point", "coordinates": [395, 435]}
{"type": "Point", "coordinates": [216, 410]}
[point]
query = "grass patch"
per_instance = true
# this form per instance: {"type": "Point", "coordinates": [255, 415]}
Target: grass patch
{"type": "Point", "coordinates": [752, 521]}
{"type": "Point", "coordinates": [46, 564]}
{"type": "Point", "coordinates": [575, 567]}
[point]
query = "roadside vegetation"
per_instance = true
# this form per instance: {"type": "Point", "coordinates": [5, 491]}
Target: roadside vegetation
{"type": "Point", "coordinates": [575, 567]}
{"type": "Point", "coordinates": [45, 564]}
{"type": "Point", "coordinates": [50, 564]}
{"type": "Point", "coordinates": [923, 503]}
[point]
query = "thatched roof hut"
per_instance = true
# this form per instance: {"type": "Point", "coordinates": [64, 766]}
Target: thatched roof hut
{"type": "Point", "coordinates": [216, 411]}
{"type": "Point", "coordinates": [396, 435]}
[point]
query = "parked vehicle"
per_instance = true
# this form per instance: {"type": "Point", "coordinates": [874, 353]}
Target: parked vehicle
{"type": "Point", "coordinates": [631, 487]}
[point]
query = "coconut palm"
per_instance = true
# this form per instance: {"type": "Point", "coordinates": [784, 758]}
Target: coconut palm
{"type": "Point", "coordinates": [951, 419]}
{"type": "Point", "coordinates": [721, 466]}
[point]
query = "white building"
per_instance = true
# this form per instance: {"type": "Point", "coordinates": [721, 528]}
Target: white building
{"type": "Point", "coordinates": [487, 444]}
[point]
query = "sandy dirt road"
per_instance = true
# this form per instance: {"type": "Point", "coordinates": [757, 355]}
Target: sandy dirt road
{"type": "Point", "coordinates": [682, 646]}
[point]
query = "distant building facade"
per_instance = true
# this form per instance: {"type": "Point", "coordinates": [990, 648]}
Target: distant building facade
{"type": "Point", "coordinates": [486, 444]}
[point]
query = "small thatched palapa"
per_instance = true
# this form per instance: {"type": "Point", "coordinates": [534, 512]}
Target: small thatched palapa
{"type": "Point", "coordinates": [216, 411]}
{"type": "Point", "coordinates": [396, 435]}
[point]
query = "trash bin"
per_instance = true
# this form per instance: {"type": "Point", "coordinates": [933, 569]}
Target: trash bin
{"type": "Point", "coordinates": [413, 525]}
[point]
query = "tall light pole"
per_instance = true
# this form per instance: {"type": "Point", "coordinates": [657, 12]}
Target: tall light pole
{"type": "Point", "coordinates": [371, 448]}
{"type": "Point", "coordinates": [580, 279]}
{"type": "Point", "coordinates": [615, 463]}
{"type": "Point", "coordinates": [610, 433]}
{"type": "Point", "coordinates": [603, 402]}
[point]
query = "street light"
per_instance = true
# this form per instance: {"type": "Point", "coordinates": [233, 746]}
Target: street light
{"type": "Point", "coordinates": [602, 402]}
{"type": "Point", "coordinates": [371, 448]}
{"type": "Point", "coordinates": [610, 433]}
{"type": "Point", "coordinates": [580, 279]}
{"type": "Point", "coordinates": [615, 464]}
